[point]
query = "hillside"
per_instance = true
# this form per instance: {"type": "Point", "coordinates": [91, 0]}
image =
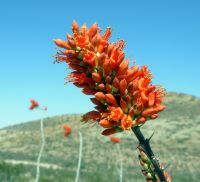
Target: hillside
{"type": "Point", "coordinates": [176, 141]}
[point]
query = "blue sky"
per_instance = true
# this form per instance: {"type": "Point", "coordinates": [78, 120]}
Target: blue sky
{"type": "Point", "coordinates": [163, 34]}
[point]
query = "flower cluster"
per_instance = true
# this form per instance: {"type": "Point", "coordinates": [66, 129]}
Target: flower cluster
{"type": "Point", "coordinates": [123, 96]}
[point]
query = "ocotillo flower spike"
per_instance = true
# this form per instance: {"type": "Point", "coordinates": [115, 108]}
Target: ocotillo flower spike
{"type": "Point", "coordinates": [124, 97]}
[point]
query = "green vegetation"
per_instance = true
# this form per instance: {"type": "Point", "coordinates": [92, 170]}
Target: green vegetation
{"type": "Point", "coordinates": [176, 142]}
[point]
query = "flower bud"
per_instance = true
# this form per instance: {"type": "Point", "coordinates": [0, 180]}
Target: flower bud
{"type": "Point", "coordinates": [115, 53]}
{"type": "Point", "coordinates": [120, 58]}
{"type": "Point", "coordinates": [122, 86]}
{"type": "Point", "coordinates": [100, 96]}
{"type": "Point", "coordinates": [109, 49]}
{"type": "Point", "coordinates": [70, 53]}
{"type": "Point", "coordinates": [101, 59]}
{"type": "Point", "coordinates": [131, 72]}
{"type": "Point", "coordinates": [116, 83]}
{"type": "Point", "coordinates": [149, 112]}
{"type": "Point", "coordinates": [131, 112]}
{"type": "Point", "coordinates": [151, 99]}
{"type": "Point", "coordinates": [107, 34]}
{"type": "Point", "coordinates": [94, 40]}
{"type": "Point", "coordinates": [95, 101]}
{"type": "Point", "coordinates": [102, 44]}
{"type": "Point", "coordinates": [75, 27]}
{"type": "Point", "coordinates": [92, 115]}
{"type": "Point", "coordinates": [130, 87]}
{"type": "Point", "coordinates": [109, 131]}
{"type": "Point", "coordinates": [123, 104]}
{"type": "Point", "coordinates": [111, 99]}
{"type": "Point", "coordinates": [141, 120]}
{"type": "Point", "coordinates": [158, 101]}
{"type": "Point", "coordinates": [69, 37]}
{"type": "Point", "coordinates": [113, 63]}
{"type": "Point", "coordinates": [141, 84]}
{"type": "Point", "coordinates": [101, 86]}
{"type": "Point", "coordinates": [96, 77]}
{"type": "Point", "coordinates": [128, 98]}
{"type": "Point", "coordinates": [108, 88]}
{"type": "Point", "coordinates": [88, 91]}
{"type": "Point", "coordinates": [154, 116]}
{"type": "Point", "coordinates": [72, 43]}
{"type": "Point", "coordinates": [150, 89]}
{"type": "Point", "coordinates": [105, 123]}
{"type": "Point", "coordinates": [93, 30]}
{"type": "Point", "coordinates": [108, 79]}
{"type": "Point", "coordinates": [62, 44]}
{"type": "Point", "coordinates": [160, 108]}
{"type": "Point", "coordinates": [106, 67]}
{"type": "Point", "coordinates": [83, 30]}
{"type": "Point", "coordinates": [99, 108]}
{"type": "Point", "coordinates": [144, 97]}
{"type": "Point", "coordinates": [123, 67]}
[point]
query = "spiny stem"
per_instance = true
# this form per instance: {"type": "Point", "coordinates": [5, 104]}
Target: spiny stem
{"type": "Point", "coordinates": [80, 157]}
{"type": "Point", "coordinates": [144, 143]}
{"type": "Point", "coordinates": [41, 150]}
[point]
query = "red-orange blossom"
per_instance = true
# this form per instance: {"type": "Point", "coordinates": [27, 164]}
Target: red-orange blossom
{"type": "Point", "coordinates": [123, 96]}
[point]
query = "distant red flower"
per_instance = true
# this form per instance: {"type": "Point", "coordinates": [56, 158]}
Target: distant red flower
{"type": "Point", "coordinates": [34, 104]}
{"type": "Point", "coordinates": [115, 139]}
{"type": "Point", "coordinates": [67, 130]}
{"type": "Point", "coordinates": [124, 97]}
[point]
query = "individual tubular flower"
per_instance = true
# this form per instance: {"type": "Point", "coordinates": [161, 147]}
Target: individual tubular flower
{"type": "Point", "coordinates": [124, 97]}
{"type": "Point", "coordinates": [34, 104]}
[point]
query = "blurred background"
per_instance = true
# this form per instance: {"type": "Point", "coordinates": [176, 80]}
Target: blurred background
{"type": "Point", "coordinates": [161, 34]}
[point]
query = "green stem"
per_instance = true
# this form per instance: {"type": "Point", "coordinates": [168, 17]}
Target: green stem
{"type": "Point", "coordinates": [121, 164]}
{"type": "Point", "coordinates": [144, 143]}
{"type": "Point", "coordinates": [80, 157]}
{"type": "Point", "coordinates": [41, 150]}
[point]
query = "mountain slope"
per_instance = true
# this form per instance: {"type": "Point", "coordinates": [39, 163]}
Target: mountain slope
{"type": "Point", "coordinates": [176, 142]}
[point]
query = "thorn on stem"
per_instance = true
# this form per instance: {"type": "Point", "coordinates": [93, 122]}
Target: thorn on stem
{"type": "Point", "coordinates": [137, 147]}
{"type": "Point", "coordinates": [151, 136]}
{"type": "Point", "coordinates": [164, 168]}
{"type": "Point", "coordinates": [141, 125]}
